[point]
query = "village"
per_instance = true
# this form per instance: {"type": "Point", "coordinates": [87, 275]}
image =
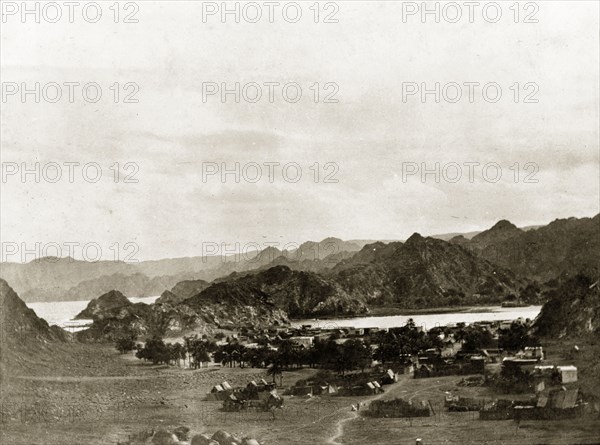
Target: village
{"type": "Point", "coordinates": [499, 356]}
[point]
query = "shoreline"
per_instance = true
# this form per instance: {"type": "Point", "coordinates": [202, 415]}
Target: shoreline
{"type": "Point", "coordinates": [391, 311]}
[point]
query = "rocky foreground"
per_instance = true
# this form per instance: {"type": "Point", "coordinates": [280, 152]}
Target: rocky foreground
{"type": "Point", "coordinates": [181, 435]}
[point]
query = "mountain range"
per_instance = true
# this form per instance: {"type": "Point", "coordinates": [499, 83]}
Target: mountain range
{"type": "Point", "coordinates": [339, 277]}
{"type": "Point", "coordinates": [422, 272]}
{"type": "Point", "coordinates": [562, 248]}
{"type": "Point", "coordinates": [68, 279]}
{"type": "Point", "coordinates": [329, 278]}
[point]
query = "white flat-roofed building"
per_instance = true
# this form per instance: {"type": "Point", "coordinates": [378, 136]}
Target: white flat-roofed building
{"type": "Point", "coordinates": [302, 341]}
{"type": "Point", "coordinates": [568, 374]}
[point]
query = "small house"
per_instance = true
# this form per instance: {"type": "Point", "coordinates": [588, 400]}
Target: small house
{"type": "Point", "coordinates": [370, 388]}
{"type": "Point", "coordinates": [568, 374]}
{"type": "Point", "coordinates": [389, 377]}
{"type": "Point", "coordinates": [324, 389]}
{"type": "Point", "coordinates": [217, 388]}
{"type": "Point", "coordinates": [305, 342]}
{"type": "Point", "coordinates": [530, 352]}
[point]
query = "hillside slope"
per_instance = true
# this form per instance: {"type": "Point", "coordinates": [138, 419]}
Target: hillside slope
{"type": "Point", "coordinates": [572, 310]}
{"type": "Point", "coordinates": [422, 272]}
{"type": "Point", "coordinates": [23, 335]}
{"type": "Point", "coordinates": [565, 247]}
{"type": "Point", "coordinates": [299, 294]}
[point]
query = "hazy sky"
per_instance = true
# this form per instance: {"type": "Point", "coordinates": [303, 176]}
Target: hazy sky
{"type": "Point", "coordinates": [367, 59]}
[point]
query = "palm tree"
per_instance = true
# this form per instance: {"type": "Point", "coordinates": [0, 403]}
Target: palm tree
{"type": "Point", "coordinates": [274, 371]}
{"type": "Point", "coordinates": [460, 333]}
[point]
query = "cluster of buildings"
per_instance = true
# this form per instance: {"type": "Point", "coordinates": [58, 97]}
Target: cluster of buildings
{"type": "Point", "coordinates": [252, 390]}
{"type": "Point", "coordinates": [259, 395]}
{"type": "Point", "coordinates": [357, 384]}
{"type": "Point", "coordinates": [303, 336]}
{"type": "Point", "coordinates": [556, 403]}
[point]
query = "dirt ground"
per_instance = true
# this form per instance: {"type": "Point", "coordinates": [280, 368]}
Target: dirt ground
{"type": "Point", "coordinates": [104, 397]}
{"type": "Point", "coordinates": [445, 427]}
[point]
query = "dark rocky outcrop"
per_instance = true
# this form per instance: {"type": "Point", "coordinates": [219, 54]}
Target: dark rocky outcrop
{"type": "Point", "coordinates": [19, 323]}
{"type": "Point", "coordinates": [501, 231]}
{"type": "Point", "coordinates": [182, 291]}
{"type": "Point", "coordinates": [573, 309]}
{"type": "Point", "coordinates": [562, 248]}
{"type": "Point", "coordinates": [115, 316]}
{"type": "Point", "coordinates": [299, 294]}
{"type": "Point", "coordinates": [23, 334]}
{"type": "Point", "coordinates": [422, 272]}
{"type": "Point", "coordinates": [104, 304]}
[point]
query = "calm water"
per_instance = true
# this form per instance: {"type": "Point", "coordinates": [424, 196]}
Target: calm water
{"type": "Point", "coordinates": [62, 311]}
{"type": "Point", "coordinates": [428, 321]}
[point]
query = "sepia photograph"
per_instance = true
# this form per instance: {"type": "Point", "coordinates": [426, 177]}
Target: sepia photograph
{"type": "Point", "coordinates": [300, 222]}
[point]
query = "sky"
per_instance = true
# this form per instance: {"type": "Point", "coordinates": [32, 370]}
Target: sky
{"type": "Point", "coordinates": [347, 162]}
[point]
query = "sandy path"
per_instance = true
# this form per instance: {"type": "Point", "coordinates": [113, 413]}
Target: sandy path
{"type": "Point", "coordinates": [333, 440]}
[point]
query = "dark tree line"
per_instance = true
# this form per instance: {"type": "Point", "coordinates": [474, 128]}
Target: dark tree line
{"type": "Point", "coordinates": [352, 354]}
{"type": "Point", "coordinates": [195, 350]}
{"type": "Point", "coordinates": [159, 352]}
{"type": "Point", "coordinates": [408, 340]}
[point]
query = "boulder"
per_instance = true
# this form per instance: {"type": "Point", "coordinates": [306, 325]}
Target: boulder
{"type": "Point", "coordinates": [203, 439]}
{"type": "Point", "coordinates": [163, 437]}
{"type": "Point", "coordinates": [182, 432]}
{"type": "Point", "coordinates": [223, 437]}
{"type": "Point", "coordinates": [248, 441]}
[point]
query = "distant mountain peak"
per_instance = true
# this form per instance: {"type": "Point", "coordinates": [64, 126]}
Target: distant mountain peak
{"type": "Point", "coordinates": [415, 238]}
{"type": "Point", "coordinates": [460, 240]}
{"type": "Point", "coordinates": [504, 224]}
{"type": "Point", "coordinates": [113, 296]}
{"type": "Point", "coordinates": [53, 259]}
{"type": "Point", "coordinates": [332, 238]}
{"type": "Point", "coordinates": [500, 232]}
{"type": "Point", "coordinates": [277, 270]}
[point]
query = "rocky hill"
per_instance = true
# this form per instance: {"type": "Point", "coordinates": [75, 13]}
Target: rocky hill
{"type": "Point", "coordinates": [308, 265]}
{"type": "Point", "coordinates": [115, 316]}
{"type": "Point", "coordinates": [572, 310]}
{"type": "Point", "coordinates": [182, 291]}
{"type": "Point", "coordinates": [299, 294]}
{"type": "Point", "coordinates": [422, 272]}
{"type": "Point", "coordinates": [503, 230]}
{"type": "Point", "coordinates": [18, 322]}
{"type": "Point", "coordinates": [104, 303]}
{"type": "Point", "coordinates": [141, 320]}
{"type": "Point", "coordinates": [22, 333]}
{"type": "Point", "coordinates": [565, 247]}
